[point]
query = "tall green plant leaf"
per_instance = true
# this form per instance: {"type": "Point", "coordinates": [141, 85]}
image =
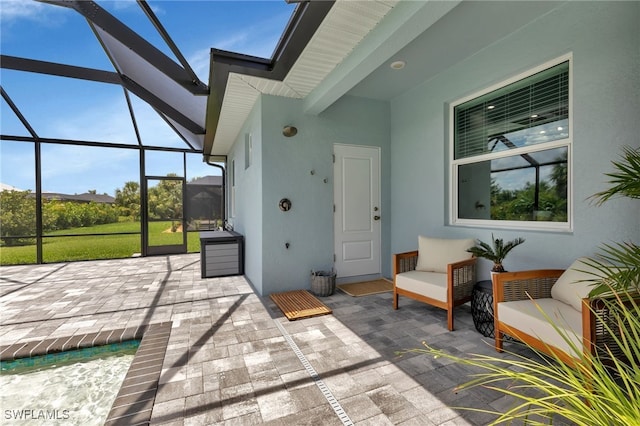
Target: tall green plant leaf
{"type": "Point", "coordinates": [625, 181]}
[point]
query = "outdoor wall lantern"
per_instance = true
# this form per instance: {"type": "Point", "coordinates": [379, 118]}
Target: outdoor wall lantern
{"type": "Point", "coordinates": [289, 131]}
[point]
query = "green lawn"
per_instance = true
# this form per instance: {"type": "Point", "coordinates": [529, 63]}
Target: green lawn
{"type": "Point", "coordinates": [62, 249]}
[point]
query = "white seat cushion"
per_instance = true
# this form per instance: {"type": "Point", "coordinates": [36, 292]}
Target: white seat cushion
{"type": "Point", "coordinates": [525, 316]}
{"type": "Point", "coordinates": [430, 284]}
{"type": "Point", "coordinates": [434, 254]}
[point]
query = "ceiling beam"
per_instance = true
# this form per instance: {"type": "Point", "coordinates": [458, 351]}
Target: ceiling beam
{"type": "Point", "coordinates": [61, 70]}
{"type": "Point", "coordinates": [141, 47]}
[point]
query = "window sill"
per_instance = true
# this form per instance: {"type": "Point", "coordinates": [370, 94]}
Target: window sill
{"type": "Point", "coordinates": [561, 227]}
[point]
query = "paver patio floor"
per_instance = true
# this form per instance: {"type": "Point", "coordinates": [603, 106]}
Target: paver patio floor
{"type": "Point", "coordinates": [233, 358]}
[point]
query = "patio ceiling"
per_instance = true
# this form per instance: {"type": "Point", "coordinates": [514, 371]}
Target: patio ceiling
{"type": "Point", "coordinates": [350, 54]}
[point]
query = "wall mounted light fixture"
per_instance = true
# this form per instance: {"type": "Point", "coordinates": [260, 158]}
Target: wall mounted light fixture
{"type": "Point", "coordinates": [289, 131]}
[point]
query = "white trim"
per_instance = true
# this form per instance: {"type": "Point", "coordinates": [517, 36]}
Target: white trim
{"type": "Point", "coordinates": [568, 143]}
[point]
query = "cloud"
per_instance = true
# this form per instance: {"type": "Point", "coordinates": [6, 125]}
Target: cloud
{"type": "Point", "coordinates": [19, 9]}
{"type": "Point", "coordinates": [16, 11]}
{"type": "Point", "coordinates": [258, 40]}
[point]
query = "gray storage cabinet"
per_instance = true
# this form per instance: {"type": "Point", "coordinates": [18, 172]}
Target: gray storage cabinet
{"type": "Point", "coordinates": [221, 253]}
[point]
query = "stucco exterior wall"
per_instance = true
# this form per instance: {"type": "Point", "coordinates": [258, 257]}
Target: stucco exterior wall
{"type": "Point", "coordinates": [603, 38]}
{"type": "Point", "coordinates": [282, 168]}
{"type": "Point", "coordinates": [247, 215]}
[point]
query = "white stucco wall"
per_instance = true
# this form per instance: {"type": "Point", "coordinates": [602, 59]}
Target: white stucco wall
{"type": "Point", "coordinates": [282, 169]}
{"type": "Point", "coordinates": [604, 39]}
{"type": "Point", "coordinates": [248, 219]}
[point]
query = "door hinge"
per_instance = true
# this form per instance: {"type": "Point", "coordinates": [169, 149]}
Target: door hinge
{"type": "Point", "coordinates": [334, 158]}
{"type": "Point", "coordinates": [334, 257]}
{"type": "Point", "coordinates": [334, 208]}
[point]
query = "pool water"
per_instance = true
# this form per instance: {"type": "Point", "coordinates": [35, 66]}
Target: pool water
{"type": "Point", "coordinates": [70, 388]}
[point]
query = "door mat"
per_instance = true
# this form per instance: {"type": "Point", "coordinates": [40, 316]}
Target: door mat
{"type": "Point", "coordinates": [368, 287]}
{"type": "Point", "coordinates": [299, 304]}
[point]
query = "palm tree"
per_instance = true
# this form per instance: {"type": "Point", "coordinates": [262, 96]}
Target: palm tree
{"type": "Point", "coordinates": [495, 253]}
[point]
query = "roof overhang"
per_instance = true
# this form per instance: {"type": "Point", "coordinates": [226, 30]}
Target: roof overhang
{"type": "Point", "coordinates": [231, 75]}
{"type": "Point", "coordinates": [344, 42]}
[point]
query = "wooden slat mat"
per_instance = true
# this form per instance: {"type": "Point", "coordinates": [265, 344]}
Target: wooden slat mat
{"type": "Point", "coordinates": [367, 287]}
{"type": "Point", "coordinates": [299, 304]}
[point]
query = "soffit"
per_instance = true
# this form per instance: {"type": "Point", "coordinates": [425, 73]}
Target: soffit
{"type": "Point", "coordinates": [345, 26]}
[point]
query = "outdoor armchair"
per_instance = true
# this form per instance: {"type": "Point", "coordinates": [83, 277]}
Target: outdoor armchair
{"type": "Point", "coordinates": [526, 302]}
{"type": "Point", "coordinates": [440, 273]}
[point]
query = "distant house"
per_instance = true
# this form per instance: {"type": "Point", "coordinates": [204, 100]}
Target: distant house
{"type": "Point", "coordinates": [79, 198]}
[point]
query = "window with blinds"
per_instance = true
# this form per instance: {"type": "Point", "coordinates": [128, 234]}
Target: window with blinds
{"type": "Point", "coordinates": [510, 152]}
{"type": "Point", "coordinates": [530, 111]}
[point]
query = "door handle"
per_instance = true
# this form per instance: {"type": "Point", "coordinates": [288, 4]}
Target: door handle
{"type": "Point", "coordinates": [376, 217]}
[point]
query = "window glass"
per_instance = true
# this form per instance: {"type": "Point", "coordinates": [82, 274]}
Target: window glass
{"type": "Point", "coordinates": [531, 111]}
{"type": "Point", "coordinates": [511, 153]}
{"type": "Point", "coordinates": [528, 187]}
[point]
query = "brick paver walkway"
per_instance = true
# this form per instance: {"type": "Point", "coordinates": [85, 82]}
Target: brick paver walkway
{"type": "Point", "coordinates": [233, 358]}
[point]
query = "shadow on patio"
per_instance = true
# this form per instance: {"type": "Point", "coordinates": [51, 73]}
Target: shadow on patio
{"type": "Point", "coordinates": [233, 358]}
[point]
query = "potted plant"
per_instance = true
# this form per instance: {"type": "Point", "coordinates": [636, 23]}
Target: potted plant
{"type": "Point", "coordinates": [495, 252]}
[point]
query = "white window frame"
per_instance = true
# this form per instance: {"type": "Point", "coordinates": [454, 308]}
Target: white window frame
{"type": "Point", "coordinates": [454, 220]}
{"type": "Point", "coordinates": [232, 194]}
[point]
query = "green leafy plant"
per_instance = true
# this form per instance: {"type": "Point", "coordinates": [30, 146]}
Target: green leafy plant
{"type": "Point", "coordinates": [496, 252]}
{"type": "Point", "coordinates": [625, 181]}
{"type": "Point", "coordinates": [618, 264]}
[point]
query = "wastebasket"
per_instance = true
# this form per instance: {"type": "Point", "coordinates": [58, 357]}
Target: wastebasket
{"type": "Point", "coordinates": [482, 307]}
{"type": "Point", "coordinates": [323, 283]}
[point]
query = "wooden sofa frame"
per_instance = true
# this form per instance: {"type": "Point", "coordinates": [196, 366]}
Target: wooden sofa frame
{"type": "Point", "coordinates": [461, 277]}
{"type": "Point", "coordinates": [536, 284]}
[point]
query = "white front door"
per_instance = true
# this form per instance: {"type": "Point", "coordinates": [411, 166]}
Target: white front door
{"type": "Point", "coordinates": [357, 217]}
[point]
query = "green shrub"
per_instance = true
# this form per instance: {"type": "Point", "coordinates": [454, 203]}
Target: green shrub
{"type": "Point", "coordinates": [17, 217]}
{"type": "Point", "coordinates": [58, 215]}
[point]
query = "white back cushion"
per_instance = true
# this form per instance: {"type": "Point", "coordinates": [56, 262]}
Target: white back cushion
{"type": "Point", "coordinates": [574, 284]}
{"type": "Point", "coordinates": [434, 254]}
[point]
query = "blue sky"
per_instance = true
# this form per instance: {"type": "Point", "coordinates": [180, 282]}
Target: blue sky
{"type": "Point", "coordinates": [71, 109]}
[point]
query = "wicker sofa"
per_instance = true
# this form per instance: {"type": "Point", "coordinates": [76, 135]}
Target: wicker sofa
{"type": "Point", "coordinates": [560, 296]}
{"type": "Point", "coordinates": [440, 273]}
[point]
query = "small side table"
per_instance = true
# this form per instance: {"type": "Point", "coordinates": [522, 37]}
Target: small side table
{"type": "Point", "coordinates": [482, 307]}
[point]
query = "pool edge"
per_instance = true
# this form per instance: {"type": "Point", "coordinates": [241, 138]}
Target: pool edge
{"type": "Point", "coordinates": [134, 402]}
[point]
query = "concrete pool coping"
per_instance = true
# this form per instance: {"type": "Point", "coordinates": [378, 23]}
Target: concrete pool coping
{"type": "Point", "coordinates": [135, 399]}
